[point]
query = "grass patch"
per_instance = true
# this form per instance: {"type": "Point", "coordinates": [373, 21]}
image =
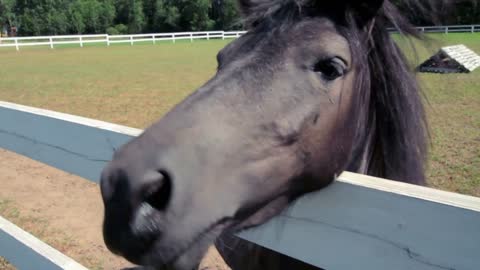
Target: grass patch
{"type": "Point", "coordinates": [131, 85]}
{"type": "Point", "coordinates": [136, 85]}
{"type": "Point", "coordinates": [453, 107]}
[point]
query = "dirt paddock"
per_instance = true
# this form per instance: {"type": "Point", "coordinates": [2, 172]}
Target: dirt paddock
{"type": "Point", "coordinates": [62, 210]}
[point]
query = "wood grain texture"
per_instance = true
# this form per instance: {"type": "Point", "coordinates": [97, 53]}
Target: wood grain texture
{"type": "Point", "coordinates": [348, 226]}
{"type": "Point", "coordinates": [359, 222]}
{"type": "Point", "coordinates": [73, 144]}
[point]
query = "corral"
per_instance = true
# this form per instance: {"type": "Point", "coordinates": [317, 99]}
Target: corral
{"type": "Point", "coordinates": [135, 85]}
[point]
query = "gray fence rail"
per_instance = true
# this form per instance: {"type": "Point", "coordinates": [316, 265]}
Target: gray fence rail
{"type": "Point", "coordinates": [358, 222]}
{"type": "Point", "coordinates": [27, 252]}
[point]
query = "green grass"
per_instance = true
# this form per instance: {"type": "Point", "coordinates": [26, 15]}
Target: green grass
{"type": "Point", "coordinates": [135, 85]}
{"type": "Point", "coordinates": [454, 116]}
{"type": "Point", "coordinates": [131, 85]}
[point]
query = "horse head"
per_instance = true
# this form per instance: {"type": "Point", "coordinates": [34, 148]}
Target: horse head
{"type": "Point", "coordinates": [312, 89]}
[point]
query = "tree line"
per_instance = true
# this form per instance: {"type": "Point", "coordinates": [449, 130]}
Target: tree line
{"type": "Point", "coordinates": [58, 17]}
{"type": "Point", "coordinates": [441, 12]}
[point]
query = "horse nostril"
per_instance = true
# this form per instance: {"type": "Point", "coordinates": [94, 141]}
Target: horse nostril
{"type": "Point", "coordinates": [158, 192]}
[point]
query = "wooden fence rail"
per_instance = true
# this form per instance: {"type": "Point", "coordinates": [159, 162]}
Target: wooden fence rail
{"type": "Point", "coordinates": [80, 40]}
{"type": "Point", "coordinates": [27, 252]}
{"type": "Point", "coordinates": [358, 222]}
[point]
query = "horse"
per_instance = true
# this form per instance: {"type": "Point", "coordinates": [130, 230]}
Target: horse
{"type": "Point", "coordinates": [312, 89]}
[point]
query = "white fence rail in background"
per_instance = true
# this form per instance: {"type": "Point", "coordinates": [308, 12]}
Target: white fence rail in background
{"type": "Point", "coordinates": [51, 41]}
{"type": "Point", "coordinates": [446, 29]}
{"type": "Point", "coordinates": [358, 222]}
{"type": "Point", "coordinates": [450, 29]}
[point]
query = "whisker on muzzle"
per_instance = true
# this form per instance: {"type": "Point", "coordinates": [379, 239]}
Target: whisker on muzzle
{"type": "Point", "coordinates": [144, 222]}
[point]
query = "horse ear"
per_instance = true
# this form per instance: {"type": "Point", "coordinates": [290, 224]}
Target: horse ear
{"type": "Point", "coordinates": [365, 10]}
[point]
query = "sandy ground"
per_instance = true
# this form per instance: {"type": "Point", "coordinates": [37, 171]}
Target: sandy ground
{"type": "Point", "coordinates": [4, 265]}
{"type": "Point", "coordinates": [61, 209]}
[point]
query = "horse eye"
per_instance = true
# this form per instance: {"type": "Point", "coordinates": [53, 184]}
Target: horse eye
{"type": "Point", "coordinates": [330, 69]}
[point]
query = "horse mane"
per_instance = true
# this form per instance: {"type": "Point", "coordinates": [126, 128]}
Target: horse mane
{"type": "Point", "coordinates": [392, 131]}
{"type": "Point", "coordinates": [393, 134]}
{"type": "Point", "coordinates": [392, 141]}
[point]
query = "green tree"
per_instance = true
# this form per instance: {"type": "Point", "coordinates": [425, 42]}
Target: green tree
{"type": "Point", "coordinates": [225, 15]}
{"type": "Point", "coordinates": [136, 17]}
{"type": "Point", "coordinates": [466, 12]}
{"type": "Point", "coordinates": [48, 17]}
{"type": "Point", "coordinates": [166, 16]}
{"type": "Point", "coordinates": [195, 15]}
{"type": "Point", "coordinates": [77, 26]}
{"type": "Point", "coordinates": [56, 22]}
{"type": "Point", "coordinates": [106, 15]}
{"type": "Point", "coordinates": [7, 15]}
{"type": "Point", "coordinates": [90, 16]}
{"type": "Point", "coordinates": [29, 23]}
{"type": "Point", "coordinates": [130, 13]}
{"type": "Point", "coordinates": [90, 10]}
{"type": "Point", "coordinates": [149, 12]}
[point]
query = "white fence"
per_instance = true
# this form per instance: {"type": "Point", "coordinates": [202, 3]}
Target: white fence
{"type": "Point", "coordinates": [450, 29]}
{"type": "Point", "coordinates": [446, 29]}
{"type": "Point", "coordinates": [51, 41]}
{"type": "Point", "coordinates": [358, 222]}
